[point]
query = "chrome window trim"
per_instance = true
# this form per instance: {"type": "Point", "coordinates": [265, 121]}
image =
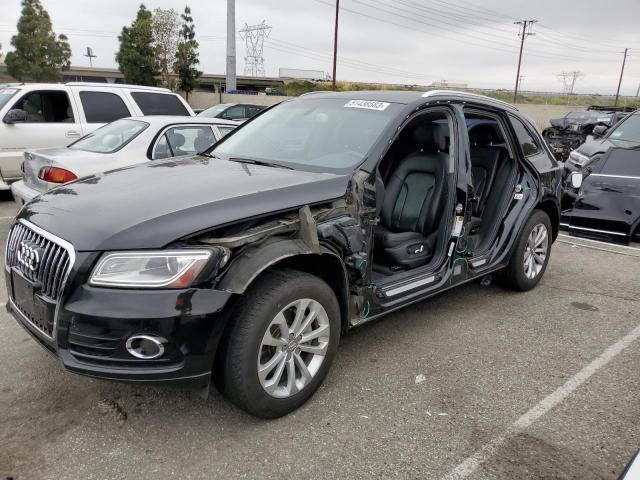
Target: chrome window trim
{"type": "Point", "coordinates": [72, 260]}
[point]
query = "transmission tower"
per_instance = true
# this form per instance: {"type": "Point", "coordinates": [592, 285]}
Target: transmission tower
{"type": "Point", "coordinates": [569, 80]}
{"type": "Point", "coordinates": [254, 36]}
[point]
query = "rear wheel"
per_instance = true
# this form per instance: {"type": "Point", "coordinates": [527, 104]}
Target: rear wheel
{"type": "Point", "coordinates": [531, 254]}
{"type": "Point", "coordinates": [282, 343]}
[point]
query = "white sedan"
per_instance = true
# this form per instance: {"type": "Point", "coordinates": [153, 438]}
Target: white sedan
{"type": "Point", "coordinates": [125, 142]}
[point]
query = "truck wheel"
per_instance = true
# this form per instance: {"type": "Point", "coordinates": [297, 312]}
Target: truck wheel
{"type": "Point", "coordinates": [281, 344]}
{"type": "Point", "coordinates": [531, 253]}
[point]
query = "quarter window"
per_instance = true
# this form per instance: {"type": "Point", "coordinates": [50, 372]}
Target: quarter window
{"type": "Point", "coordinates": [532, 146]}
{"type": "Point", "coordinates": [46, 107]}
{"type": "Point", "coordinates": [103, 107]}
{"type": "Point", "coordinates": [159, 104]}
{"type": "Point", "coordinates": [179, 141]}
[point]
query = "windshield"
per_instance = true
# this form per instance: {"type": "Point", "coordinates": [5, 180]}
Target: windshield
{"type": "Point", "coordinates": [213, 111]}
{"type": "Point", "coordinates": [628, 130]}
{"type": "Point", "coordinates": [111, 137]}
{"type": "Point", "coordinates": [5, 94]}
{"type": "Point", "coordinates": [593, 116]}
{"type": "Point", "coordinates": [315, 134]}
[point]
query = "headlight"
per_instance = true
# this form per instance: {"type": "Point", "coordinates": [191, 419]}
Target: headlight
{"type": "Point", "coordinates": [146, 269]}
{"type": "Point", "coordinates": [578, 158]}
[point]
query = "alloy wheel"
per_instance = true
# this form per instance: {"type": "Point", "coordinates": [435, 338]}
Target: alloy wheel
{"type": "Point", "coordinates": [293, 348]}
{"type": "Point", "coordinates": [535, 252]}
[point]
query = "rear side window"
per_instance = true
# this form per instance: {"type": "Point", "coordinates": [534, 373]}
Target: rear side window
{"type": "Point", "coordinates": [159, 104]}
{"type": "Point", "coordinates": [224, 130]}
{"type": "Point", "coordinates": [235, 113]}
{"type": "Point", "coordinates": [531, 146]}
{"type": "Point", "coordinates": [46, 107]}
{"type": "Point", "coordinates": [622, 161]}
{"type": "Point", "coordinates": [187, 140]}
{"type": "Point", "coordinates": [103, 107]}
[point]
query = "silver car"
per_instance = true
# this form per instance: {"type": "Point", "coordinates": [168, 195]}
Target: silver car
{"type": "Point", "coordinates": [125, 142]}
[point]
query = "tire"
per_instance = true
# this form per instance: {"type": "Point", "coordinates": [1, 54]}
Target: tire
{"type": "Point", "coordinates": [516, 275]}
{"type": "Point", "coordinates": [275, 296]}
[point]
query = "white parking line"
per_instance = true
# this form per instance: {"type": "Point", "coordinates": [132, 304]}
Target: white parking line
{"type": "Point", "coordinates": [7, 218]}
{"type": "Point", "coordinates": [580, 239]}
{"type": "Point", "coordinates": [471, 464]}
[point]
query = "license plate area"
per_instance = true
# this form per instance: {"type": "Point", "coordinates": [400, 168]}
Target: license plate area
{"type": "Point", "coordinates": [27, 301]}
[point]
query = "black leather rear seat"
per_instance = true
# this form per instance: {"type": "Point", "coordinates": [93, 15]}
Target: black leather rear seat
{"type": "Point", "coordinates": [485, 161]}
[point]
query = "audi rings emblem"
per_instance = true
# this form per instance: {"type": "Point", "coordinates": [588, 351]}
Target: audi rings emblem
{"type": "Point", "coordinates": [29, 255]}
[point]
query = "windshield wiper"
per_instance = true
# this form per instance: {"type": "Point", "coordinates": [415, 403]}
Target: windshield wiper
{"type": "Point", "coordinates": [263, 163]}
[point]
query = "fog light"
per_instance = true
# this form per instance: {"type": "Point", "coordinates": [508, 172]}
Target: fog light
{"type": "Point", "coordinates": [146, 347]}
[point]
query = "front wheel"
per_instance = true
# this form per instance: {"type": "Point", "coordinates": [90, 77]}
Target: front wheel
{"type": "Point", "coordinates": [531, 253]}
{"type": "Point", "coordinates": [282, 343]}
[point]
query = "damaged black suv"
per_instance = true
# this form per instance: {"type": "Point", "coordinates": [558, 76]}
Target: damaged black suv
{"type": "Point", "coordinates": [246, 264]}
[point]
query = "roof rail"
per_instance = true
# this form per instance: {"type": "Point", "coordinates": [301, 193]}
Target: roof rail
{"type": "Point", "coordinates": [116, 85]}
{"type": "Point", "coordinates": [468, 94]}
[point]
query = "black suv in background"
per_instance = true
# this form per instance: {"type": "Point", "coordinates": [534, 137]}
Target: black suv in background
{"type": "Point", "coordinates": [232, 111]}
{"type": "Point", "coordinates": [247, 263]}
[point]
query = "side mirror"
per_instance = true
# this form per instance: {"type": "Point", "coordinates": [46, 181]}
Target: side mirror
{"type": "Point", "coordinates": [576, 180]}
{"type": "Point", "coordinates": [599, 131]}
{"type": "Point", "coordinates": [15, 116]}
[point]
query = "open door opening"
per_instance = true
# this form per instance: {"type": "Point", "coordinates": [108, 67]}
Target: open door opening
{"type": "Point", "coordinates": [493, 171]}
{"type": "Point", "coordinates": [417, 175]}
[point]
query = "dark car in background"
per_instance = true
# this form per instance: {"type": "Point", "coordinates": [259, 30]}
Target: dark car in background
{"type": "Point", "coordinates": [248, 263]}
{"type": "Point", "coordinates": [625, 134]}
{"type": "Point", "coordinates": [232, 111]}
{"type": "Point", "coordinates": [569, 132]}
{"type": "Point", "coordinates": [601, 197]}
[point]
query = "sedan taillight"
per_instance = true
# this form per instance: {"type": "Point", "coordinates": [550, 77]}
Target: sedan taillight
{"type": "Point", "coordinates": [56, 175]}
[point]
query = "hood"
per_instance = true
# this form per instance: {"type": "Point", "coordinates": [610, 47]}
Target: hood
{"type": "Point", "coordinates": [156, 203]}
{"type": "Point", "coordinates": [558, 122]}
{"type": "Point", "coordinates": [602, 145]}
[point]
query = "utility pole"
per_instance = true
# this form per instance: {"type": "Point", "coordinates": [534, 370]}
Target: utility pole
{"type": "Point", "coordinates": [523, 34]}
{"type": "Point", "coordinates": [231, 46]}
{"type": "Point", "coordinates": [638, 91]}
{"type": "Point", "coordinates": [335, 46]}
{"type": "Point", "coordinates": [624, 60]}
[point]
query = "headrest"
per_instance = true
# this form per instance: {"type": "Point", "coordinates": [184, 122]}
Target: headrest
{"type": "Point", "coordinates": [430, 137]}
{"type": "Point", "coordinates": [483, 135]}
{"type": "Point", "coordinates": [177, 140]}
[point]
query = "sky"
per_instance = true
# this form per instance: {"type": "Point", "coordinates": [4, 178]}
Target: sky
{"type": "Point", "coordinates": [389, 41]}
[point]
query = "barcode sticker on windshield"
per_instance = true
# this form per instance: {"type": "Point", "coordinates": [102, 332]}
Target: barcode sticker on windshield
{"type": "Point", "coordinates": [367, 104]}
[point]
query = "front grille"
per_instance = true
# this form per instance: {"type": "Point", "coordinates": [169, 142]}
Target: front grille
{"type": "Point", "coordinates": [54, 259]}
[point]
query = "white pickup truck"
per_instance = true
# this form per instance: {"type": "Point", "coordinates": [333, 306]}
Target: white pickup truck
{"type": "Point", "coordinates": [54, 115]}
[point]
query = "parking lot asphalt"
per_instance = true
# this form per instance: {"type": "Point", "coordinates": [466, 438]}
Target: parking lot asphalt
{"type": "Point", "coordinates": [478, 382]}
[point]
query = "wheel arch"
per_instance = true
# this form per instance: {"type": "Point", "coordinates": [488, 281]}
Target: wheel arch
{"type": "Point", "coordinates": [553, 211]}
{"type": "Point", "coordinates": [292, 254]}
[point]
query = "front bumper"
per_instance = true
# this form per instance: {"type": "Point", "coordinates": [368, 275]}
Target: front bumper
{"type": "Point", "coordinates": [91, 326]}
{"type": "Point", "coordinates": [23, 193]}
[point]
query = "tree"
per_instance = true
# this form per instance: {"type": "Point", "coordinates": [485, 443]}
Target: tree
{"type": "Point", "coordinates": [136, 56]}
{"type": "Point", "coordinates": [187, 55]}
{"type": "Point", "coordinates": [165, 29]}
{"type": "Point", "coordinates": [38, 54]}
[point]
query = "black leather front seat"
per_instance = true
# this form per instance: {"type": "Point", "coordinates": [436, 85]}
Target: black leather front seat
{"type": "Point", "coordinates": [411, 207]}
